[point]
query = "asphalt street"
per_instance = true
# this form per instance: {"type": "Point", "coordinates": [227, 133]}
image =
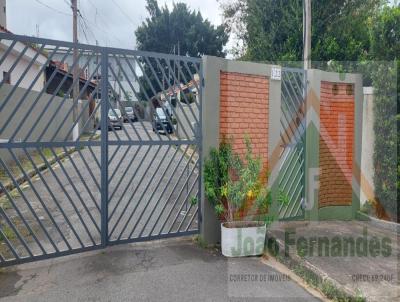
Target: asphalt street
{"type": "Point", "coordinates": [169, 270]}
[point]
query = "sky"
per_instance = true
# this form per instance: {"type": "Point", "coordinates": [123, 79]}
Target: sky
{"type": "Point", "coordinates": [110, 22]}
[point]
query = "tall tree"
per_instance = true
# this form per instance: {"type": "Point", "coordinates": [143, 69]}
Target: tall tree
{"type": "Point", "coordinates": [272, 30]}
{"type": "Point", "coordinates": [385, 49]}
{"type": "Point", "coordinates": [171, 31]}
{"type": "Point", "coordinates": [164, 29]}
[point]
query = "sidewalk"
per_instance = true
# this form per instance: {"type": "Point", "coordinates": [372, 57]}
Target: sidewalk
{"type": "Point", "coordinates": [368, 270]}
{"type": "Point", "coordinates": [170, 270]}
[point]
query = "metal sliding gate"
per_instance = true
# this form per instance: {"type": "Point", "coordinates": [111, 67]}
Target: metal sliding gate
{"type": "Point", "coordinates": [293, 128]}
{"type": "Point", "coordinates": [98, 146]}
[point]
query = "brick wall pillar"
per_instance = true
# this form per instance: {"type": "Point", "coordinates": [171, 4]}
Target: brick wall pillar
{"type": "Point", "coordinates": [336, 144]}
{"type": "Point", "coordinates": [333, 145]}
{"type": "Point", "coordinates": [244, 111]}
{"type": "Point", "coordinates": [239, 99]}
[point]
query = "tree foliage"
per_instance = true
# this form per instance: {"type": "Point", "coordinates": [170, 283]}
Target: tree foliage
{"type": "Point", "coordinates": [164, 29]}
{"type": "Point", "coordinates": [354, 36]}
{"type": "Point", "coordinates": [178, 31]}
{"type": "Point", "coordinates": [385, 48]}
{"type": "Point", "coordinates": [272, 30]}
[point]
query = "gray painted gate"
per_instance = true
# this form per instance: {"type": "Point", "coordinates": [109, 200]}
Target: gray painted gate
{"type": "Point", "coordinates": [292, 163]}
{"type": "Point", "coordinates": [70, 181]}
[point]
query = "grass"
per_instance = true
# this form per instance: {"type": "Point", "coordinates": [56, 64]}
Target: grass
{"type": "Point", "coordinates": [13, 192]}
{"type": "Point", "coordinates": [89, 136]}
{"type": "Point", "coordinates": [200, 241]}
{"type": "Point", "coordinates": [12, 236]}
{"type": "Point", "coordinates": [27, 165]}
{"type": "Point", "coordinates": [5, 203]}
{"type": "Point", "coordinates": [8, 233]}
{"type": "Point", "coordinates": [328, 288]}
{"type": "Point", "coordinates": [37, 160]}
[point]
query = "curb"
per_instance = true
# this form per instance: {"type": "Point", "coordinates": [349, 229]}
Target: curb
{"type": "Point", "coordinates": [275, 264]}
{"type": "Point", "coordinates": [383, 224]}
{"type": "Point", "coordinates": [295, 262]}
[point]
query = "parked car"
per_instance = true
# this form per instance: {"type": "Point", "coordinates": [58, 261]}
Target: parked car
{"type": "Point", "coordinates": [129, 115]}
{"type": "Point", "coordinates": [162, 122]}
{"type": "Point", "coordinates": [115, 119]}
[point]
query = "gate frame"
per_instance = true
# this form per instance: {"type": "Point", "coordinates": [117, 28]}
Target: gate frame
{"type": "Point", "coordinates": [302, 141]}
{"type": "Point", "coordinates": [104, 143]}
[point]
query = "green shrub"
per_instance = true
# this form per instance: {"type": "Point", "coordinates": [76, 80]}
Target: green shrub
{"type": "Point", "coordinates": [231, 182]}
{"type": "Point", "coordinates": [385, 46]}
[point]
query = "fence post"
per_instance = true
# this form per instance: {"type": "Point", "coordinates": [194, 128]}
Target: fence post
{"type": "Point", "coordinates": [104, 147]}
{"type": "Point", "coordinates": [317, 133]}
{"type": "Point", "coordinates": [210, 227]}
{"type": "Point", "coordinates": [311, 167]}
{"type": "Point", "coordinates": [274, 141]}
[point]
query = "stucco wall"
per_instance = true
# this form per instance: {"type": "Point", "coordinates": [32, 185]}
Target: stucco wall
{"type": "Point", "coordinates": [368, 138]}
{"type": "Point", "coordinates": [21, 68]}
{"type": "Point", "coordinates": [186, 114]}
{"type": "Point", "coordinates": [31, 117]}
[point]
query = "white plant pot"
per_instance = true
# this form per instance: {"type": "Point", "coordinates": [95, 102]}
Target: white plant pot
{"type": "Point", "coordinates": [242, 238]}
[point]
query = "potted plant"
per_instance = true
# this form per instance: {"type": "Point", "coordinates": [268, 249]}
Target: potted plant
{"type": "Point", "coordinates": [237, 189]}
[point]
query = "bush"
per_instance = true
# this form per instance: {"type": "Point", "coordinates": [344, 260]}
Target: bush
{"type": "Point", "coordinates": [385, 46]}
{"type": "Point", "coordinates": [231, 183]}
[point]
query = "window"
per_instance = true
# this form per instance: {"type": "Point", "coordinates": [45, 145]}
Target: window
{"type": "Point", "coordinates": [6, 77]}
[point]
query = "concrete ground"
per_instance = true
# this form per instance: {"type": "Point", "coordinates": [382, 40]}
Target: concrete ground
{"type": "Point", "coordinates": [370, 268]}
{"type": "Point", "coordinates": [168, 270]}
{"type": "Point", "coordinates": [150, 188]}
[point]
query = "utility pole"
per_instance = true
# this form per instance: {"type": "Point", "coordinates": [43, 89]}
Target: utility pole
{"type": "Point", "coordinates": [75, 91]}
{"type": "Point", "coordinates": [179, 53]}
{"type": "Point", "coordinates": [307, 34]}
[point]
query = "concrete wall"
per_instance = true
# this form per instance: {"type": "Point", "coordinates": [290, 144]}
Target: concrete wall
{"type": "Point", "coordinates": [31, 117]}
{"type": "Point", "coordinates": [185, 116]}
{"type": "Point", "coordinates": [368, 138]}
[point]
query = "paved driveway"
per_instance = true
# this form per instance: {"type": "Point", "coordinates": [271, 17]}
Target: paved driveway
{"type": "Point", "coordinates": [148, 187]}
{"type": "Point", "coordinates": [176, 270]}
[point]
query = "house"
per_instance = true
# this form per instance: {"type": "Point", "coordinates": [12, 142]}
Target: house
{"type": "Point", "coordinates": [55, 74]}
{"type": "Point", "coordinates": [3, 13]}
{"type": "Point", "coordinates": [22, 74]}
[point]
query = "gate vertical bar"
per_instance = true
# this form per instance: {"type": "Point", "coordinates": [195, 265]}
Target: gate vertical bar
{"type": "Point", "coordinates": [200, 145]}
{"type": "Point", "coordinates": [304, 140]}
{"type": "Point", "coordinates": [104, 147]}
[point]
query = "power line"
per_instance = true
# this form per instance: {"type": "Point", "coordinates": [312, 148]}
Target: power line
{"type": "Point", "coordinates": [83, 30]}
{"type": "Point", "coordinates": [123, 12]}
{"type": "Point", "coordinates": [53, 9]}
{"type": "Point", "coordinates": [67, 3]}
{"type": "Point", "coordinates": [103, 24]}
{"type": "Point", "coordinates": [84, 23]}
{"type": "Point", "coordinates": [104, 28]}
